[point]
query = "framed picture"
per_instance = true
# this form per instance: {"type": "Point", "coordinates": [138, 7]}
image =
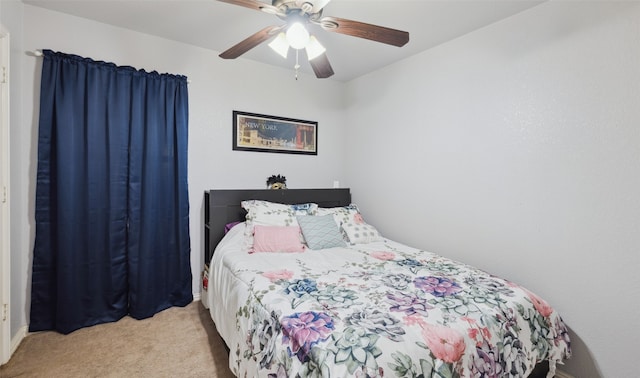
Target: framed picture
{"type": "Point", "coordinates": [264, 133]}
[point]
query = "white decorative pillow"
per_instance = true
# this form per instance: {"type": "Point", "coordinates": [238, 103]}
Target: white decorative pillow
{"type": "Point", "coordinates": [343, 214]}
{"type": "Point", "coordinates": [361, 233]}
{"type": "Point", "coordinates": [353, 227]}
{"type": "Point", "coordinates": [266, 213]}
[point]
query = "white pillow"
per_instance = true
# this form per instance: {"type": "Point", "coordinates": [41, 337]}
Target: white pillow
{"type": "Point", "coordinates": [361, 233]}
{"type": "Point", "coordinates": [343, 214]}
{"type": "Point", "coordinates": [265, 213]}
{"type": "Point", "coordinates": [351, 223]}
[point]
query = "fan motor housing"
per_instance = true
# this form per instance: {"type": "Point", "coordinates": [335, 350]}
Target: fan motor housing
{"type": "Point", "coordinates": [289, 5]}
{"type": "Point", "coordinates": [285, 4]}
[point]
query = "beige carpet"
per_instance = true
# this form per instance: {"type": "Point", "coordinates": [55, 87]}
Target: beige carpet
{"type": "Point", "coordinates": [177, 342]}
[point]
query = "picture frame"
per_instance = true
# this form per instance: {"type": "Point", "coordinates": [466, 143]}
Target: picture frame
{"type": "Point", "coordinates": [266, 133]}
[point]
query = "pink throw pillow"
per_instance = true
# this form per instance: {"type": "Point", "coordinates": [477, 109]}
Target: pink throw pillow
{"type": "Point", "coordinates": [276, 239]}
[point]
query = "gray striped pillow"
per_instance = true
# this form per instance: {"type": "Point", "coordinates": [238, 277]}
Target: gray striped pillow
{"type": "Point", "coordinates": [320, 232]}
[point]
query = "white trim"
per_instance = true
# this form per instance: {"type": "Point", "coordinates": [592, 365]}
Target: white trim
{"type": "Point", "coordinates": [5, 216]}
{"type": "Point", "coordinates": [18, 337]}
{"type": "Point", "coordinates": [196, 297]}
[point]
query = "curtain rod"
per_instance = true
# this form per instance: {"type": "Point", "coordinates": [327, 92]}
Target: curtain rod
{"type": "Point", "coordinates": [39, 53]}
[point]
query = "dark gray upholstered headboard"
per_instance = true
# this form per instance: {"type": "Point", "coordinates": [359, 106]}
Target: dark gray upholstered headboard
{"type": "Point", "coordinates": [223, 206]}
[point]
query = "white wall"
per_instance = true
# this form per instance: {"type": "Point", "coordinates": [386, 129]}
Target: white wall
{"type": "Point", "coordinates": [217, 88]}
{"type": "Point", "coordinates": [12, 19]}
{"type": "Point", "coordinates": [516, 148]}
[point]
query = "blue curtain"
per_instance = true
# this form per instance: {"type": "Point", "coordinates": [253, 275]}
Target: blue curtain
{"type": "Point", "coordinates": [112, 211]}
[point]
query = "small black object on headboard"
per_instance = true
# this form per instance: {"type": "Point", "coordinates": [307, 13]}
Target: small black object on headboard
{"type": "Point", "coordinates": [223, 206]}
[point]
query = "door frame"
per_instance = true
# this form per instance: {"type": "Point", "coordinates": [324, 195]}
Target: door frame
{"type": "Point", "coordinates": [5, 220]}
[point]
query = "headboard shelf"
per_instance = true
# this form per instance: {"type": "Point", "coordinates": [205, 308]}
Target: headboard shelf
{"type": "Point", "coordinates": [222, 206]}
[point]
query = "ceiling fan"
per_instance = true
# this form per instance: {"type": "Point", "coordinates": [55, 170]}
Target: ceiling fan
{"type": "Point", "coordinates": [293, 33]}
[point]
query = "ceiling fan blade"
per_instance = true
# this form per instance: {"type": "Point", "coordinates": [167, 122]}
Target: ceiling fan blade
{"type": "Point", "coordinates": [363, 30]}
{"type": "Point", "coordinates": [254, 4]}
{"type": "Point", "coordinates": [321, 66]}
{"type": "Point", "coordinates": [251, 42]}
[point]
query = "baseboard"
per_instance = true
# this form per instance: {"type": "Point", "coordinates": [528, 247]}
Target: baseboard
{"type": "Point", "coordinates": [17, 339]}
{"type": "Point", "coordinates": [562, 374]}
{"type": "Point", "coordinates": [196, 296]}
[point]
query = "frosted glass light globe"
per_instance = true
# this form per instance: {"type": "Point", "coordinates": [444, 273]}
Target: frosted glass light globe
{"type": "Point", "coordinates": [297, 36]}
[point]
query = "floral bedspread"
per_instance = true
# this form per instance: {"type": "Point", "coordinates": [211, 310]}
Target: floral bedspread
{"type": "Point", "coordinates": [374, 310]}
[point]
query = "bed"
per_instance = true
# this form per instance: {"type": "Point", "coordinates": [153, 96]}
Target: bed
{"type": "Point", "coordinates": [370, 307]}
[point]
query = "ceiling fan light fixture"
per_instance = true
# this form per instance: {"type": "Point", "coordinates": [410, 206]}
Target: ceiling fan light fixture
{"type": "Point", "coordinates": [297, 36]}
{"type": "Point", "coordinates": [297, 14]}
{"type": "Point", "coordinates": [314, 48]}
{"type": "Point", "coordinates": [280, 45]}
